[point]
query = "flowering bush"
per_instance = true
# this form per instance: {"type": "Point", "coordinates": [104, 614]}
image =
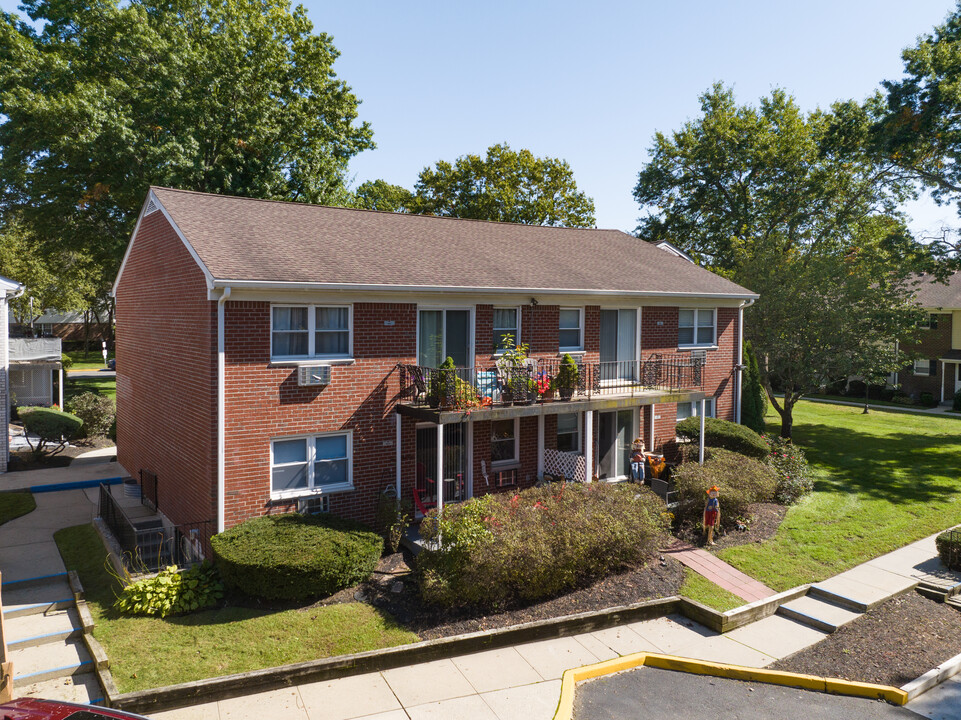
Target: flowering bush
{"type": "Point", "coordinates": [793, 474]}
{"type": "Point", "coordinates": [501, 550]}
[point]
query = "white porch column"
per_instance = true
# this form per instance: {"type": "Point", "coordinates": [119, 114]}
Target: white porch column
{"type": "Point", "coordinates": [540, 447]}
{"type": "Point", "coordinates": [60, 387]}
{"type": "Point", "coordinates": [944, 376]}
{"type": "Point", "coordinates": [440, 469]}
{"type": "Point", "coordinates": [650, 430]}
{"type": "Point", "coordinates": [700, 442]}
{"type": "Point", "coordinates": [589, 445]}
{"type": "Point", "coordinates": [397, 435]}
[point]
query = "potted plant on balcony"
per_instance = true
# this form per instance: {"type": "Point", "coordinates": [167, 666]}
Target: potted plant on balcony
{"type": "Point", "coordinates": [448, 391]}
{"type": "Point", "coordinates": [568, 377]}
{"type": "Point", "coordinates": [545, 387]}
{"type": "Point", "coordinates": [513, 373]}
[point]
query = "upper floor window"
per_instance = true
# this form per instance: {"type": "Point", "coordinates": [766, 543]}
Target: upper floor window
{"type": "Point", "coordinates": [506, 322]}
{"type": "Point", "coordinates": [305, 331]}
{"type": "Point", "coordinates": [570, 328]}
{"type": "Point", "coordinates": [696, 326]}
{"type": "Point", "coordinates": [312, 464]}
{"type": "Point", "coordinates": [929, 322]}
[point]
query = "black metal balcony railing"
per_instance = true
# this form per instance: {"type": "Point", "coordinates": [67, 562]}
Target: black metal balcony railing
{"type": "Point", "coordinates": [463, 388]}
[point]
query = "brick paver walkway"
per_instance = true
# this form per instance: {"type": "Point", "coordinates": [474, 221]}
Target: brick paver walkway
{"type": "Point", "coordinates": [719, 572]}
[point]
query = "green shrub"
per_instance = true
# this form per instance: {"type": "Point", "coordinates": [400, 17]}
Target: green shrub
{"type": "Point", "coordinates": [742, 480]}
{"type": "Point", "coordinates": [927, 399]}
{"type": "Point", "coordinates": [66, 361]}
{"type": "Point", "coordinates": [956, 405]}
{"type": "Point", "coordinates": [949, 548]}
{"type": "Point", "coordinates": [726, 435]}
{"type": "Point", "coordinates": [791, 467]}
{"type": "Point", "coordinates": [96, 411]}
{"type": "Point", "coordinates": [502, 550]}
{"type": "Point", "coordinates": [52, 426]}
{"type": "Point", "coordinates": [392, 520]}
{"type": "Point", "coordinates": [172, 592]}
{"type": "Point", "coordinates": [753, 399]}
{"type": "Point", "coordinates": [296, 557]}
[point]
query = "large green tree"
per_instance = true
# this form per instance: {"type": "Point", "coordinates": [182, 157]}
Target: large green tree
{"type": "Point", "coordinates": [793, 206]}
{"type": "Point", "coordinates": [505, 185]}
{"type": "Point", "coordinates": [100, 99]}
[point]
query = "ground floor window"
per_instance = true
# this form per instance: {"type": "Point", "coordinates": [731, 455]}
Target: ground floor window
{"type": "Point", "coordinates": [504, 442]}
{"type": "Point", "coordinates": [690, 409]}
{"type": "Point", "coordinates": [310, 464]}
{"type": "Point", "coordinates": [569, 432]}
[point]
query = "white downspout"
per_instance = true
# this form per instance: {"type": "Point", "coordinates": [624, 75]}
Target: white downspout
{"type": "Point", "coordinates": [221, 412]}
{"type": "Point", "coordinates": [739, 379]}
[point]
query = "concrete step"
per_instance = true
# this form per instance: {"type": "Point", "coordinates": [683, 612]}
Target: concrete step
{"type": "Point", "coordinates": [50, 661]}
{"type": "Point", "coordinates": [836, 599]}
{"type": "Point", "coordinates": [80, 688]}
{"type": "Point", "coordinates": [32, 630]}
{"type": "Point", "coordinates": [30, 599]}
{"type": "Point", "coordinates": [817, 613]}
{"type": "Point", "coordinates": [954, 602]}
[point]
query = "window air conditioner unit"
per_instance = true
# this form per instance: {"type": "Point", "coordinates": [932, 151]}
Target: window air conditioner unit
{"type": "Point", "coordinates": [314, 505]}
{"type": "Point", "coordinates": [699, 355]}
{"type": "Point", "coordinates": [313, 375]}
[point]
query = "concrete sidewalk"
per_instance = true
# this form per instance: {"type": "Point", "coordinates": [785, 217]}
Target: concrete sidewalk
{"type": "Point", "coordinates": [523, 682]}
{"type": "Point", "coordinates": [98, 469]}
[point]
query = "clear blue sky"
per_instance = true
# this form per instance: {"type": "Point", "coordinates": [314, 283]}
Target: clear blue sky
{"type": "Point", "coordinates": [592, 82]}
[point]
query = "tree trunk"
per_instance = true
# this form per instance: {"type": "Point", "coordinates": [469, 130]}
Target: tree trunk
{"type": "Point", "coordinates": [867, 389]}
{"type": "Point", "coordinates": [784, 409]}
{"type": "Point", "coordinates": [787, 422]}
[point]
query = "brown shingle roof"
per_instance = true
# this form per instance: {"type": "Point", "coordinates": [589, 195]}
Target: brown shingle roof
{"type": "Point", "coordinates": [257, 240]}
{"type": "Point", "coordinates": [934, 294]}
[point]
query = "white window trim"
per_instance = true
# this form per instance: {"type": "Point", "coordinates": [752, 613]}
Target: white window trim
{"type": "Point", "coordinates": [515, 461]}
{"type": "Point", "coordinates": [926, 372]}
{"type": "Point", "coordinates": [311, 335]}
{"type": "Point", "coordinates": [695, 406]}
{"type": "Point", "coordinates": [517, 333]}
{"type": "Point", "coordinates": [580, 324]}
{"type": "Point", "coordinates": [708, 346]}
{"type": "Point", "coordinates": [579, 432]}
{"type": "Point", "coordinates": [311, 456]}
{"type": "Point", "coordinates": [471, 329]}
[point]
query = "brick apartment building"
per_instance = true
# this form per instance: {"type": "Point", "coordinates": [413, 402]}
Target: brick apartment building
{"type": "Point", "coordinates": [274, 356]}
{"type": "Point", "coordinates": [938, 369]}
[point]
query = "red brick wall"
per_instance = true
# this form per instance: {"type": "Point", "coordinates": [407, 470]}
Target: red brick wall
{"type": "Point", "coordinates": [166, 372]}
{"type": "Point", "coordinates": [933, 344]}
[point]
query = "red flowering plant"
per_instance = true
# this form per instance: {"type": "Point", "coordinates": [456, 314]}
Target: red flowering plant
{"type": "Point", "coordinates": [545, 384]}
{"type": "Point", "coordinates": [792, 470]}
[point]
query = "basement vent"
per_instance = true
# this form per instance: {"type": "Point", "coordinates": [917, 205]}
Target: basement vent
{"type": "Point", "coordinates": [151, 208]}
{"type": "Point", "coordinates": [314, 505]}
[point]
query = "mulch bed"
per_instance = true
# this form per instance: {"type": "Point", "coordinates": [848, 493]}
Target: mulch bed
{"type": "Point", "coordinates": [891, 645]}
{"type": "Point", "coordinates": [765, 519]}
{"type": "Point", "coordinates": [394, 590]}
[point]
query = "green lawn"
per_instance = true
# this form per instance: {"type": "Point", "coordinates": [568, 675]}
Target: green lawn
{"type": "Point", "coordinates": [15, 504]}
{"type": "Point", "coordinates": [883, 480]}
{"type": "Point", "coordinates": [150, 652]}
{"type": "Point", "coordinates": [102, 386]}
{"type": "Point", "coordinates": [699, 588]}
{"type": "Point", "coordinates": [860, 401]}
{"type": "Point", "coordinates": [92, 360]}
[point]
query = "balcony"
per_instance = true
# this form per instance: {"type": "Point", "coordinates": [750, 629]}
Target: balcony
{"type": "Point", "coordinates": [492, 392]}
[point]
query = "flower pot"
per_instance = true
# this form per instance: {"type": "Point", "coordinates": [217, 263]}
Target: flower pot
{"type": "Point", "coordinates": [547, 398]}
{"type": "Point", "coordinates": [566, 393]}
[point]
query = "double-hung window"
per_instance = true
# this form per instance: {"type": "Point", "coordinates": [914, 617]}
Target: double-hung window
{"type": "Point", "coordinates": [310, 331]}
{"type": "Point", "coordinates": [696, 327]}
{"type": "Point", "coordinates": [690, 409]}
{"type": "Point", "coordinates": [506, 322]}
{"type": "Point", "coordinates": [570, 326]}
{"type": "Point", "coordinates": [569, 432]}
{"type": "Point", "coordinates": [504, 442]}
{"type": "Point", "coordinates": [924, 367]}
{"type": "Point", "coordinates": [310, 465]}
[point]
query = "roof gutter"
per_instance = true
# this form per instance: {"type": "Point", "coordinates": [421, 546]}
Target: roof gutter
{"type": "Point", "coordinates": [221, 411]}
{"type": "Point", "coordinates": [371, 287]}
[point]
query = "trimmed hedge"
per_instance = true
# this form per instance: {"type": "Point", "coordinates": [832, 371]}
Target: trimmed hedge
{"type": "Point", "coordinates": [949, 548]}
{"type": "Point", "coordinates": [295, 557]}
{"type": "Point", "coordinates": [54, 428]}
{"type": "Point", "coordinates": [726, 435]}
{"type": "Point", "coordinates": [501, 550]}
{"type": "Point", "coordinates": [742, 480]}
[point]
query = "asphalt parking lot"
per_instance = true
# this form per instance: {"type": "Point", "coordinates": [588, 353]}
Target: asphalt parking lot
{"type": "Point", "coordinates": [668, 695]}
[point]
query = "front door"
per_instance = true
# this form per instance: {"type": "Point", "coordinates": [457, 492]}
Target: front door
{"type": "Point", "coordinates": [618, 344]}
{"type": "Point", "coordinates": [615, 433]}
{"type": "Point", "coordinates": [454, 478]}
{"type": "Point", "coordinates": [443, 334]}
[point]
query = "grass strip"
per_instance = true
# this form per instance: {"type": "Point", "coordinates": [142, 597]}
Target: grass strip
{"type": "Point", "coordinates": [15, 504]}
{"type": "Point", "coordinates": [148, 652]}
{"type": "Point", "coordinates": [699, 588]}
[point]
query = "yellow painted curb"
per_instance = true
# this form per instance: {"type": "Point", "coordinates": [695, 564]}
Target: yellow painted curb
{"type": "Point", "coordinates": [565, 704]}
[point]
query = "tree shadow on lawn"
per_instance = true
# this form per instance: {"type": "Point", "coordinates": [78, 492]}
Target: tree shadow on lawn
{"type": "Point", "coordinates": [901, 468]}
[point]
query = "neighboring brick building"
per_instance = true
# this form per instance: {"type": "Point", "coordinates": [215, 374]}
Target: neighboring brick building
{"type": "Point", "coordinates": [274, 356]}
{"type": "Point", "coordinates": [938, 367]}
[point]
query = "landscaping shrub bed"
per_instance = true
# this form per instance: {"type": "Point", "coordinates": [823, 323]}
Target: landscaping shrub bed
{"type": "Point", "coordinates": [724, 434]}
{"type": "Point", "coordinates": [501, 550]}
{"type": "Point", "coordinates": [172, 592]}
{"type": "Point", "coordinates": [296, 557]}
{"type": "Point", "coordinates": [742, 480]}
{"type": "Point", "coordinates": [789, 464]}
{"type": "Point", "coordinates": [949, 548]}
